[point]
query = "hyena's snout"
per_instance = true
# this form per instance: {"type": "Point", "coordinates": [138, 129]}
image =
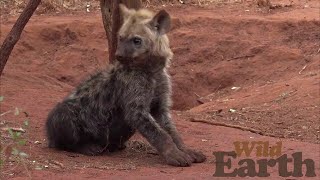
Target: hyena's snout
{"type": "Point", "coordinates": [120, 53]}
{"type": "Point", "coordinates": [124, 52]}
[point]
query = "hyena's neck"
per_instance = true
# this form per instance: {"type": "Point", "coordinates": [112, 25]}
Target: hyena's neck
{"type": "Point", "coordinates": [156, 63]}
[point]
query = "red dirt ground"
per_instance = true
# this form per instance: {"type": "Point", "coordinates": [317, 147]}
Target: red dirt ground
{"type": "Point", "coordinates": [272, 56]}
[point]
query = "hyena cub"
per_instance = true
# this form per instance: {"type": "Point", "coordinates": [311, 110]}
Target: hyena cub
{"type": "Point", "coordinates": [133, 94]}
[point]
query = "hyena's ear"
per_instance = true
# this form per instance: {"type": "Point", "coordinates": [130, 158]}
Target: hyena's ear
{"type": "Point", "coordinates": [161, 22]}
{"type": "Point", "coordinates": [124, 11]}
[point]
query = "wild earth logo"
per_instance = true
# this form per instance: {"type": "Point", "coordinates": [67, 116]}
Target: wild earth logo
{"type": "Point", "coordinates": [247, 167]}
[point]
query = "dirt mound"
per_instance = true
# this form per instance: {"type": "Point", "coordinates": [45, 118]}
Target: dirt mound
{"type": "Point", "coordinates": [235, 54]}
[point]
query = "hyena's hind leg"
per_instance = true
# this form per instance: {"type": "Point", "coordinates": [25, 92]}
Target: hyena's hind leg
{"type": "Point", "coordinates": [120, 133]}
{"type": "Point", "coordinates": [62, 132]}
{"type": "Point", "coordinates": [66, 132]}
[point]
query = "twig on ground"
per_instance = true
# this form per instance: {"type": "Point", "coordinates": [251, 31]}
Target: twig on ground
{"type": "Point", "coordinates": [26, 114]}
{"type": "Point", "coordinates": [217, 88]}
{"type": "Point", "coordinates": [234, 126]}
{"type": "Point", "coordinates": [285, 95]}
{"type": "Point", "coordinates": [197, 95]}
{"type": "Point", "coordinates": [56, 163]}
{"type": "Point", "coordinates": [304, 67]}
{"type": "Point", "coordinates": [5, 113]}
{"type": "Point", "coordinates": [240, 57]}
{"type": "Point", "coordinates": [14, 129]}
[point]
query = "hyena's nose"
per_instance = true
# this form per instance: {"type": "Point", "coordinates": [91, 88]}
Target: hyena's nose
{"type": "Point", "coordinates": [119, 55]}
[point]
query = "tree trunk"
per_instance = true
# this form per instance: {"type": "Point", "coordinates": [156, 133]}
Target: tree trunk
{"type": "Point", "coordinates": [112, 21]}
{"type": "Point", "coordinates": [15, 33]}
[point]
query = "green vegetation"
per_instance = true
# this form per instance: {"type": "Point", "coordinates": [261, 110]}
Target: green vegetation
{"type": "Point", "coordinates": [12, 141]}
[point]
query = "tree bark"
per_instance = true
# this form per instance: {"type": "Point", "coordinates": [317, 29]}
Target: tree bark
{"type": "Point", "coordinates": [112, 21]}
{"type": "Point", "coordinates": [15, 33]}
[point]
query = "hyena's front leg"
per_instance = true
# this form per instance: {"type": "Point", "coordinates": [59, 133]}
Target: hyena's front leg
{"type": "Point", "coordinates": [158, 138]}
{"type": "Point", "coordinates": [162, 115]}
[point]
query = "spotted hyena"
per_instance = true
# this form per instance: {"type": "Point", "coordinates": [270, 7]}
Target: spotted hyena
{"type": "Point", "coordinates": [133, 94]}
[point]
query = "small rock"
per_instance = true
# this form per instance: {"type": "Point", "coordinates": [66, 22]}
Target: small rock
{"type": "Point", "coordinates": [232, 110]}
{"type": "Point", "coordinates": [204, 140]}
{"type": "Point", "coordinates": [87, 8]}
{"type": "Point", "coordinates": [38, 168]}
{"type": "Point", "coordinates": [235, 88]}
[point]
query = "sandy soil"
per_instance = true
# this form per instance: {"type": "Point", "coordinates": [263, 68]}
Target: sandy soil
{"type": "Point", "coordinates": [235, 64]}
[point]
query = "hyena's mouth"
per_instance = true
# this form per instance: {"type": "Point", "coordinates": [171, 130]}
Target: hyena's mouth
{"type": "Point", "coordinates": [125, 60]}
{"type": "Point", "coordinates": [132, 61]}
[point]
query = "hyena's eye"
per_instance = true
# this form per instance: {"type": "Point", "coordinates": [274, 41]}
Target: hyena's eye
{"type": "Point", "coordinates": [137, 41]}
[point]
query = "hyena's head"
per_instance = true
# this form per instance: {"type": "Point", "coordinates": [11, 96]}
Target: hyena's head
{"type": "Point", "coordinates": [142, 38]}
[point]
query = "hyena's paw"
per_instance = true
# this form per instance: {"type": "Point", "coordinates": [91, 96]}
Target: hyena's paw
{"type": "Point", "coordinates": [197, 156]}
{"type": "Point", "coordinates": [176, 157]}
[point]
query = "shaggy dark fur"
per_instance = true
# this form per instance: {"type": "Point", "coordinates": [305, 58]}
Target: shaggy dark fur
{"type": "Point", "coordinates": [133, 94]}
